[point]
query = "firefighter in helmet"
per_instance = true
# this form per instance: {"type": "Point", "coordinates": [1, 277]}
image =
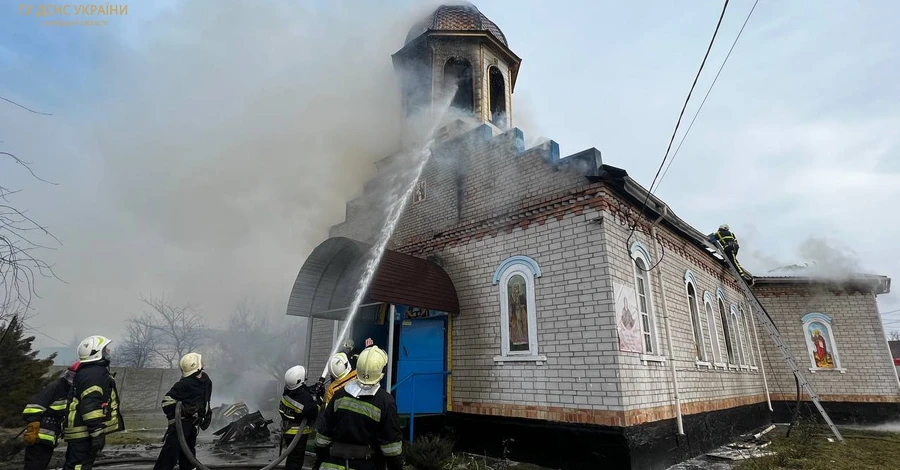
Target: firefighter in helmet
{"type": "Point", "coordinates": [297, 404]}
{"type": "Point", "coordinates": [359, 428]}
{"type": "Point", "coordinates": [45, 413]}
{"type": "Point", "coordinates": [93, 409]}
{"type": "Point", "coordinates": [193, 390]}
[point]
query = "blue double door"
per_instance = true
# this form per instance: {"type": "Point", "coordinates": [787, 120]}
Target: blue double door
{"type": "Point", "coordinates": [421, 383]}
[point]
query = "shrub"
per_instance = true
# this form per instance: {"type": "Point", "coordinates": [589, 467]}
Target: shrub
{"type": "Point", "coordinates": [429, 453]}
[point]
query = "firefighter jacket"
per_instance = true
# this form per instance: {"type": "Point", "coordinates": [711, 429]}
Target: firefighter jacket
{"type": "Point", "coordinates": [194, 393]}
{"type": "Point", "coordinates": [49, 407]}
{"type": "Point", "coordinates": [296, 405]}
{"type": "Point", "coordinates": [726, 238]}
{"type": "Point", "coordinates": [93, 407]}
{"type": "Point", "coordinates": [338, 384]}
{"type": "Point", "coordinates": [360, 418]}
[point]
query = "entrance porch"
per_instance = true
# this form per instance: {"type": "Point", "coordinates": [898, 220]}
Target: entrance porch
{"type": "Point", "coordinates": [407, 310]}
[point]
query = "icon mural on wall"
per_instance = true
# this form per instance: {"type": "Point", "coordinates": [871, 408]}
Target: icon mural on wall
{"type": "Point", "coordinates": [516, 289]}
{"type": "Point", "coordinates": [820, 341]}
{"type": "Point", "coordinates": [627, 318]}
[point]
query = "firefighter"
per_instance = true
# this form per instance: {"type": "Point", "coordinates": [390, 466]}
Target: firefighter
{"type": "Point", "coordinates": [359, 428]}
{"type": "Point", "coordinates": [349, 350]}
{"type": "Point", "coordinates": [193, 390]}
{"type": "Point", "coordinates": [297, 404]}
{"type": "Point", "coordinates": [45, 414]}
{"type": "Point", "coordinates": [730, 244]}
{"type": "Point", "coordinates": [93, 408]}
{"type": "Point", "coordinates": [341, 373]}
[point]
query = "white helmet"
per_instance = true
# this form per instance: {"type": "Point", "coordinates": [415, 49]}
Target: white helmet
{"type": "Point", "coordinates": [294, 377]}
{"type": "Point", "coordinates": [723, 227]}
{"type": "Point", "coordinates": [370, 365]}
{"type": "Point", "coordinates": [348, 345]}
{"type": "Point", "coordinates": [190, 363]}
{"type": "Point", "coordinates": [93, 349]}
{"type": "Point", "coordinates": [339, 366]}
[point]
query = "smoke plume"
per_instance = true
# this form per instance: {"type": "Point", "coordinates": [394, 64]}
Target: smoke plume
{"type": "Point", "coordinates": [230, 138]}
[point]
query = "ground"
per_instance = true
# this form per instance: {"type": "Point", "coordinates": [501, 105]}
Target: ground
{"type": "Point", "coordinates": [812, 447]}
{"type": "Point", "coordinates": [808, 448]}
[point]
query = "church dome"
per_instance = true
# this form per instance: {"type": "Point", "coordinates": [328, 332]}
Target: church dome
{"type": "Point", "coordinates": [457, 17]}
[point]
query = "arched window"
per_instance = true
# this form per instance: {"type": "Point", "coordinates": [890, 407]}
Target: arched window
{"type": "Point", "coordinates": [497, 89]}
{"type": "Point", "coordinates": [745, 314]}
{"type": "Point", "coordinates": [458, 73]}
{"type": "Point", "coordinates": [518, 319]}
{"type": "Point", "coordinates": [726, 326]}
{"type": "Point", "coordinates": [738, 330]}
{"type": "Point", "coordinates": [823, 353]}
{"type": "Point", "coordinates": [696, 327]}
{"type": "Point", "coordinates": [640, 258]}
{"type": "Point", "coordinates": [711, 328]}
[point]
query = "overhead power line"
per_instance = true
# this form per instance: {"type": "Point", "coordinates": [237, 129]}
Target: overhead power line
{"type": "Point", "coordinates": [675, 132]}
{"type": "Point", "coordinates": [684, 137]}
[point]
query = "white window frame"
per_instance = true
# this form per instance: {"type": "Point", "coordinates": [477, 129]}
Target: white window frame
{"type": "Point", "coordinates": [750, 354]}
{"type": "Point", "coordinates": [825, 320]}
{"type": "Point", "coordinates": [739, 329]}
{"type": "Point", "coordinates": [712, 328]}
{"type": "Point", "coordinates": [529, 270]}
{"type": "Point", "coordinates": [696, 324]}
{"type": "Point", "coordinates": [639, 253]}
{"type": "Point", "coordinates": [726, 327]}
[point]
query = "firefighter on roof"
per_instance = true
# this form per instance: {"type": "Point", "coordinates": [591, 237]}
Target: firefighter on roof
{"type": "Point", "coordinates": [297, 404]}
{"type": "Point", "coordinates": [193, 391]}
{"type": "Point", "coordinates": [93, 409]}
{"type": "Point", "coordinates": [730, 244]}
{"type": "Point", "coordinates": [359, 428]}
{"type": "Point", "coordinates": [45, 414]}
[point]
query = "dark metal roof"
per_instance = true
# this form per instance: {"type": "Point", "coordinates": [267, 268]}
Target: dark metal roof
{"type": "Point", "coordinates": [330, 275]}
{"type": "Point", "coordinates": [460, 17]}
{"type": "Point", "coordinates": [619, 179]}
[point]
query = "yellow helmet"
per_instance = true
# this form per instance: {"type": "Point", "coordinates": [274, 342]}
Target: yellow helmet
{"type": "Point", "coordinates": [370, 365]}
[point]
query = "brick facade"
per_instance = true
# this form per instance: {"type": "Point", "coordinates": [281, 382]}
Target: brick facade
{"type": "Point", "coordinates": [868, 372]}
{"type": "Point", "coordinates": [488, 199]}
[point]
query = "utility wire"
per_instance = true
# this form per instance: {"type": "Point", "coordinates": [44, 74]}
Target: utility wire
{"type": "Point", "coordinates": [684, 137]}
{"type": "Point", "coordinates": [675, 132]}
{"type": "Point", "coordinates": [23, 107]}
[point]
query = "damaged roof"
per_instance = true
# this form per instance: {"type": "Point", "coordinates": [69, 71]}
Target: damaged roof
{"type": "Point", "coordinates": [590, 164]}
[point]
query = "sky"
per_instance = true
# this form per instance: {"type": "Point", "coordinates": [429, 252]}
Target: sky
{"type": "Point", "coordinates": [202, 149]}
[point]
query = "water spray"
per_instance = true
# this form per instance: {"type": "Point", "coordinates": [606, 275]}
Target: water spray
{"type": "Point", "coordinates": [396, 210]}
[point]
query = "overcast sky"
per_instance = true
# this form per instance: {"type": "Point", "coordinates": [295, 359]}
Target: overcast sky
{"type": "Point", "coordinates": [203, 148]}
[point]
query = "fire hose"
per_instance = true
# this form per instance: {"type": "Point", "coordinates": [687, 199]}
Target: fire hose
{"type": "Point", "coordinates": [193, 459]}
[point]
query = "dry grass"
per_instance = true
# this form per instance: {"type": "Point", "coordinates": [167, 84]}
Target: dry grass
{"type": "Point", "coordinates": [808, 448]}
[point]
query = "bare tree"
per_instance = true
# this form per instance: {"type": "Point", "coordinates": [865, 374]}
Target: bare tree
{"type": "Point", "coordinates": [895, 335]}
{"type": "Point", "coordinates": [138, 346]}
{"type": "Point", "coordinates": [254, 342]}
{"type": "Point", "coordinates": [178, 329]}
{"type": "Point", "coordinates": [19, 267]}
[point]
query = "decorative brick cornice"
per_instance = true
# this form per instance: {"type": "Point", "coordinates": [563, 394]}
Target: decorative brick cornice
{"type": "Point", "coordinates": [537, 211]}
{"type": "Point", "coordinates": [534, 211]}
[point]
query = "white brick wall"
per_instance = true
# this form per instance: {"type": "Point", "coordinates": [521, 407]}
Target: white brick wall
{"type": "Point", "coordinates": [858, 332]}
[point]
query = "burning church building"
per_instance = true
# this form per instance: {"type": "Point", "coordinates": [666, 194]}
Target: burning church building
{"type": "Point", "coordinates": [533, 302]}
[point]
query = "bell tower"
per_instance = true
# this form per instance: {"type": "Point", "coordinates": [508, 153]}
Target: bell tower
{"type": "Point", "coordinates": [458, 50]}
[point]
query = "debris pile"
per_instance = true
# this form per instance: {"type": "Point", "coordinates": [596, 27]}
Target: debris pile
{"type": "Point", "coordinates": [251, 429]}
{"type": "Point", "coordinates": [748, 447]}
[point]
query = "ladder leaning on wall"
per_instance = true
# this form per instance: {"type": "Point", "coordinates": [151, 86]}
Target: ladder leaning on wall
{"type": "Point", "coordinates": [767, 322]}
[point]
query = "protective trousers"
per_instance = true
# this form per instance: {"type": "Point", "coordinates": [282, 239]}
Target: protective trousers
{"type": "Point", "coordinates": [171, 454]}
{"type": "Point", "coordinates": [37, 456]}
{"type": "Point", "coordinates": [80, 455]}
{"type": "Point", "coordinates": [295, 459]}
